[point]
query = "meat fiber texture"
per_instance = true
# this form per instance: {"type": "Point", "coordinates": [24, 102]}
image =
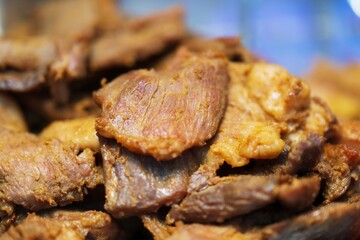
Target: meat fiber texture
{"type": "Point", "coordinates": [164, 113]}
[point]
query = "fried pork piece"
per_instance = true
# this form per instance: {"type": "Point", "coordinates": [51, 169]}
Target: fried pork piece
{"type": "Point", "coordinates": [338, 86]}
{"type": "Point", "coordinates": [238, 195]}
{"type": "Point", "coordinates": [61, 19]}
{"type": "Point", "coordinates": [251, 128]}
{"type": "Point", "coordinates": [11, 116]}
{"type": "Point", "coordinates": [136, 184]}
{"type": "Point", "coordinates": [91, 224]}
{"type": "Point", "coordinates": [209, 232]}
{"type": "Point", "coordinates": [164, 113]}
{"type": "Point", "coordinates": [63, 224]}
{"type": "Point", "coordinates": [333, 221]}
{"type": "Point", "coordinates": [141, 39]}
{"type": "Point", "coordinates": [38, 174]}
{"type": "Point", "coordinates": [23, 62]}
{"type": "Point", "coordinates": [79, 131]}
{"type": "Point", "coordinates": [26, 54]}
{"type": "Point", "coordinates": [349, 134]}
{"type": "Point", "coordinates": [156, 227]}
{"type": "Point", "coordinates": [335, 168]}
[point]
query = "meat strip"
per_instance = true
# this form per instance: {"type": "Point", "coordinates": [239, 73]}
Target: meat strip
{"type": "Point", "coordinates": [136, 184]}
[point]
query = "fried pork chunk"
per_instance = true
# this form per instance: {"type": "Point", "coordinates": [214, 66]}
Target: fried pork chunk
{"type": "Point", "coordinates": [61, 19]}
{"type": "Point", "coordinates": [261, 100]}
{"type": "Point", "coordinates": [136, 184]}
{"type": "Point", "coordinates": [164, 113]}
{"type": "Point", "coordinates": [11, 116]}
{"type": "Point", "coordinates": [38, 174]}
{"type": "Point", "coordinates": [79, 131]}
{"type": "Point", "coordinates": [62, 224]}
{"type": "Point", "coordinates": [139, 40]}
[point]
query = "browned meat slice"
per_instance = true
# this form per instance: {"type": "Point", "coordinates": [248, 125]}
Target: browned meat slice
{"type": "Point", "coordinates": [230, 46]}
{"type": "Point", "coordinates": [164, 113]}
{"type": "Point", "coordinates": [91, 224]}
{"type": "Point", "coordinates": [334, 221]}
{"type": "Point", "coordinates": [11, 116]}
{"type": "Point", "coordinates": [335, 167]}
{"type": "Point", "coordinates": [38, 174]}
{"type": "Point", "coordinates": [239, 195]}
{"type": "Point", "coordinates": [79, 131]}
{"type": "Point", "coordinates": [64, 225]}
{"type": "Point", "coordinates": [156, 227]}
{"type": "Point", "coordinates": [210, 232]}
{"type": "Point", "coordinates": [137, 184]}
{"type": "Point", "coordinates": [26, 54]}
{"type": "Point", "coordinates": [142, 39]}
{"type": "Point", "coordinates": [61, 19]}
{"type": "Point", "coordinates": [22, 81]}
{"type": "Point", "coordinates": [35, 227]}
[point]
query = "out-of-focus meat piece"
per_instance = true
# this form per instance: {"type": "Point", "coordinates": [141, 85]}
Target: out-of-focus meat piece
{"type": "Point", "coordinates": [164, 113]}
{"type": "Point", "coordinates": [335, 168]}
{"type": "Point", "coordinates": [333, 221]}
{"type": "Point", "coordinates": [142, 39]}
{"type": "Point", "coordinates": [38, 174]}
{"type": "Point", "coordinates": [70, 62]}
{"type": "Point", "coordinates": [350, 134]}
{"type": "Point", "coordinates": [26, 54]}
{"type": "Point", "coordinates": [230, 46]}
{"type": "Point", "coordinates": [320, 120]}
{"type": "Point", "coordinates": [156, 227]}
{"type": "Point", "coordinates": [61, 19]}
{"type": "Point", "coordinates": [209, 232]}
{"type": "Point", "coordinates": [11, 116]}
{"type": "Point", "coordinates": [246, 131]}
{"type": "Point", "coordinates": [21, 81]}
{"type": "Point", "coordinates": [91, 224]}
{"type": "Point", "coordinates": [281, 95]}
{"type": "Point", "coordinates": [137, 184]}
{"type": "Point", "coordinates": [80, 131]}
{"type": "Point", "coordinates": [35, 227]}
{"type": "Point", "coordinates": [233, 196]}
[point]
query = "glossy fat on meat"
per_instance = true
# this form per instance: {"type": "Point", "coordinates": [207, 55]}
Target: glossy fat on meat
{"type": "Point", "coordinates": [164, 113]}
{"type": "Point", "coordinates": [239, 195]}
{"type": "Point", "coordinates": [79, 131]}
{"type": "Point", "coordinates": [143, 38]}
{"type": "Point", "coordinates": [136, 184]}
{"type": "Point", "coordinates": [38, 174]}
{"type": "Point", "coordinates": [11, 116]}
{"type": "Point", "coordinates": [61, 19]}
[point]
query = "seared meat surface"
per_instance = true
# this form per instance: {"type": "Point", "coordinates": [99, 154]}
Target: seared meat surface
{"type": "Point", "coordinates": [164, 113]}
{"type": "Point", "coordinates": [138, 184]}
{"type": "Point", "coordinates": [38, 174]}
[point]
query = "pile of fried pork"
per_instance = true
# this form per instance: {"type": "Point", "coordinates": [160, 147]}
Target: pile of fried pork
{"type": "Point", "coordinates": [122, 127]}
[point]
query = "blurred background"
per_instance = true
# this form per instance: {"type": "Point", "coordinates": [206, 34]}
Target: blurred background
{"type": "Point", "coordinates": [291, 33]}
